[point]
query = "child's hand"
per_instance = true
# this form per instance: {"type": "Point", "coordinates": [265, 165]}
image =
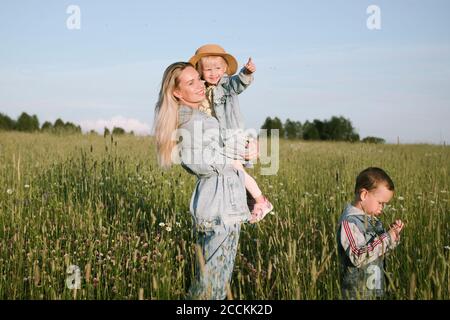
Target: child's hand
{"type": "Point", "coordinates": [249, 66]}
{"type": "Point", "coordinates": [251, 150]}
{"type": "Point", "coordinates": [398, 225]}
{"type": "Point", "coordinates": [395, 230]}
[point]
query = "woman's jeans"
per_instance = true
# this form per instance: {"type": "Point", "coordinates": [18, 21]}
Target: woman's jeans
{"type": "Point", "coordinates": [215, 256]}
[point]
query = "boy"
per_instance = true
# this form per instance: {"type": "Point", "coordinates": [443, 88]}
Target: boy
{"type": "Point", "coordinates": [362, 240]}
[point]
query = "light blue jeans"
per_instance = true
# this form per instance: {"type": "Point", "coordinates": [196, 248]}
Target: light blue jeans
{"type": "Point", "coordinates": [215, 256]}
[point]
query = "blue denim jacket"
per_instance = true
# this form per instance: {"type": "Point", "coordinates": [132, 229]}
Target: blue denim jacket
{"type": "Point", "coordinates": [228, 113]}
{"type": "Point", "coordinates": [219, 195]}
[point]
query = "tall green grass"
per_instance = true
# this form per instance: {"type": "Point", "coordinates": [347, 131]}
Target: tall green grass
{"type": "Point", "coordinates": [104, 205]}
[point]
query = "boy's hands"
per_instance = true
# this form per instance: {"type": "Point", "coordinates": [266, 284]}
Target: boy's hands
{"type": "Point", "coordinates": [395, 230]}
{"type": "Point", "coordinates": [249, 66]}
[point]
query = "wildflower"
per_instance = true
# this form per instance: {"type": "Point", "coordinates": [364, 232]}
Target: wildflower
{"type": "Point", "coordinates": [162, 224]}
{"type": "Point", "coordinates": [9, 191]}
{"type": "Point", "coordinates": [168, 229]}
{"type": "Point", "coordinates": [444, 191]}
{"type": "Point", "coordinates": [272, 213]}
{"type": "Point", "coordinates": [400, 198]}
{"type": "Point", "coordinates": [27, 186]}
{"type": "Point", "coordinates": [178, 224]}
{"type": "Point", "coordinates": [432, 202]}
{"type": "Point", "coordinates": [447, 247]}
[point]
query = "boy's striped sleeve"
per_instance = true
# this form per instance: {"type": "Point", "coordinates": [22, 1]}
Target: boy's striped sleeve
{"type": "Point", "coordinates": [360, 252]}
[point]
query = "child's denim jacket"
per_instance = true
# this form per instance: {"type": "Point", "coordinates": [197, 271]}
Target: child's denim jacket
{"type": "Point", "coordinates": [228, 113]}
{"type": "Point", "coordinates": [219, 195]}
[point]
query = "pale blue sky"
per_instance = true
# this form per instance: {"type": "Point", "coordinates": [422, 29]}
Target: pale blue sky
{"type": "Point", "coordinates": [314, 59]}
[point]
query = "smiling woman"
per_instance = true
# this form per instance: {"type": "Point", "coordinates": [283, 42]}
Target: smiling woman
{"type": "Point", "coordinates": [219, 203]}
{"type": "Point", "coordinates": [190, 88]}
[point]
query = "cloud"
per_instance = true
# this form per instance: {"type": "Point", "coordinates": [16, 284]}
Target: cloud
{"type": "Point", "coordinates": [128, 124]}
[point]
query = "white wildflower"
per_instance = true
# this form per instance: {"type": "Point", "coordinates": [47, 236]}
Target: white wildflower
{"type": "Point", "coordinates": [168, 229]}
{"type": "Point", "coordinates": [400, 198]}
{"type": "Point", "coordinates": [162, 224]}
{"type": "Point", "coordinates": [27, 186]}
{"type": "Point", "coordinates": [9, 191]}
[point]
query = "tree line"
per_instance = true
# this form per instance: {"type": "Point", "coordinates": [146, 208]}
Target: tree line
{"type": "Point", "coordinates": [334, 129]}
{"type": "Point", "coordinates": [27, 123]}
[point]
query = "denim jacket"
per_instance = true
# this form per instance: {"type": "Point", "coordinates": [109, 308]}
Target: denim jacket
{"type": "Point", "coordinates": [219, 195]}
{"type": "Point", "coordinates": [228, 113]}
{"type": "Point", "coordinates": [362, 245]}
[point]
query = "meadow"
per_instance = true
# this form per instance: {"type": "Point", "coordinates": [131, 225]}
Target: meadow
{"type": "Point", "coordinates": [103, 204]}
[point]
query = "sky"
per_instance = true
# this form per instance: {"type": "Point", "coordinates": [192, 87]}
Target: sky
{"type": "Point", "coordinates": [314, 60]}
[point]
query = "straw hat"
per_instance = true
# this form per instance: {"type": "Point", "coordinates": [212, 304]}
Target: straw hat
{"type": "Point", "coordinates": [215, 50]}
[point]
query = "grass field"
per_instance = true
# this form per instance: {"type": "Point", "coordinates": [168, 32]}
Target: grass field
{"type": "Point", "coordinates": [103, 205]}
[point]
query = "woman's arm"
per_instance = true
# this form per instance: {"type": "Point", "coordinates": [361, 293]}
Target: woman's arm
{"type": "Point", "coordinates": [200, 151]}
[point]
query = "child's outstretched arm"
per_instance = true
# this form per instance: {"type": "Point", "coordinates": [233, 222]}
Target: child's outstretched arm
{"type": "Point", "coordinates": [244, 78]}
{"type": "Point", "coordinates": [359, 252]}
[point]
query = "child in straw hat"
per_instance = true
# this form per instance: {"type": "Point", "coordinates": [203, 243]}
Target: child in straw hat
{"type": "Point", "coordinates": [217, 68]}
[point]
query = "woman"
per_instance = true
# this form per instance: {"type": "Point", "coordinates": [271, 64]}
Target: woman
{"type": "Point", "coordinates": [218, 204]}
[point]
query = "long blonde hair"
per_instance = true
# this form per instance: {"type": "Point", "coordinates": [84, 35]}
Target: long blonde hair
{"type": "Point", "coordinates": [166, 113]}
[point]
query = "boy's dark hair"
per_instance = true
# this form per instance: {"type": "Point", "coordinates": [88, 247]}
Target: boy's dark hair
{"type": "Point", "coordinates": [371, 177]}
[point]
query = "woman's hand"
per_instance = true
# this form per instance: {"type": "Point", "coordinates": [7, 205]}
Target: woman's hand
{"type": "Point", "coordinates": [251, 151]}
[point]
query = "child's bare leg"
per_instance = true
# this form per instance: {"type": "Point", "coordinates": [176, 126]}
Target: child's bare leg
{"type": "Point", "coordinates": [250, 183]}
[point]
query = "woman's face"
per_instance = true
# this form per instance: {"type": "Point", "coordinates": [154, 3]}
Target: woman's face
{"type": "Point", "coordinates": [191, 89]}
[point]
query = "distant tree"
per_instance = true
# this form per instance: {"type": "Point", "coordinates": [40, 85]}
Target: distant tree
{"type": "Point", "coordinates": [354, 137]}
{"type": "Point", "coordinates": [59, 125]}
{"type": "Point", "coordinates": [293, 129]}
{"type": "Point", "coordinates": [339, 129]}
{"type": "Point", "coordinates": [118, 131]}
{"type": "Point", "coordinates": [47, 127]}
{"type": "Point", "coordinates": [69, 127]}
{"type": "Point", "coordinates": [27, 123]}
{"type": "Point", "coordinates": [373, 140]}
{"type": "Point", "coordinates": [6, 123]}
{"type": "Point", "coordinates": [132, 133]}
{"type": "Point", "coordinates": [93, 132]}
{"type": "Point", "coordinates": [106, 132]}
{"type": "Point", "coordinates": [277, 124]}
{"type": "Point", "coordinates": [310, 131]}
{"type": "Point", "coordinates": [267, 125]}
{"type": "Point", "coordinates": [321, 127]}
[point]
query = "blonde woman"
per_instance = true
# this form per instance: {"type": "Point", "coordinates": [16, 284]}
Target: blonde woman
{"type": "Point", "coordinates": [218, 204]}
